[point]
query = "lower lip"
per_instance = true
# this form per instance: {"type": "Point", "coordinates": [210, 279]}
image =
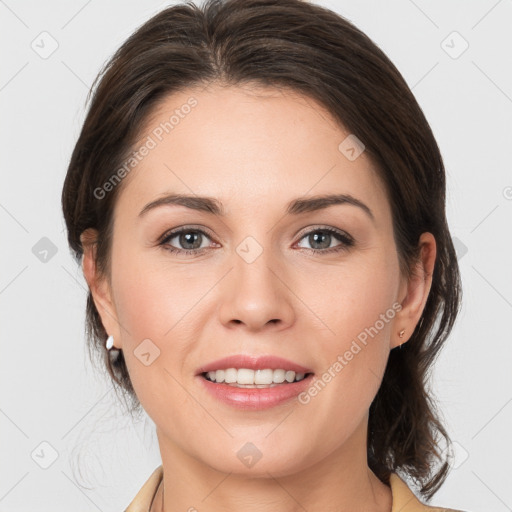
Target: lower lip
{"type": "Point", "coordinates": [256, 398]}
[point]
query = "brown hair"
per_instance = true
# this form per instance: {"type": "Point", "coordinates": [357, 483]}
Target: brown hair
{"type": "Point", "coordinates": [303, 47]}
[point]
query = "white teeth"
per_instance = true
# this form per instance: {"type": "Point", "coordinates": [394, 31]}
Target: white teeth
{"type": "Point", "coordinates": [279, 376]}
{"type": "Point", "coordinates": [230, 376]}
{"type": "Point", "coordinates": [245, 376]}
{"type": "Point", "coordinates": [263, 376]}
{"type": "Point", "coordinates": [254, 378]}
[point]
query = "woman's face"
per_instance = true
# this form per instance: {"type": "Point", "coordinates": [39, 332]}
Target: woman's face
{"type": "Point", "coordinates": [252, 283]}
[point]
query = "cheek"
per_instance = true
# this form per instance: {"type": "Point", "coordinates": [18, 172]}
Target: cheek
{"type": "Point", "coordinates": [143, 308]}
{"type": "Point", "coordinates": [150, 300]}
{"type": "Point", "coordinates": [360, 315]}
{"type": "Point", "coordinates": [156, 309]}
{"type": "Point", "coordinates": [357, 297]}
{"type": "Point", "coordinates": [151, 315]}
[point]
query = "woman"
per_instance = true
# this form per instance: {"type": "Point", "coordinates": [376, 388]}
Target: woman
{"type": "Point", "coordinates": [258, 204]}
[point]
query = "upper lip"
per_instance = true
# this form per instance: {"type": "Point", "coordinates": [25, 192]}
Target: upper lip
{"type": "Point", "coordinates": [254, 363]}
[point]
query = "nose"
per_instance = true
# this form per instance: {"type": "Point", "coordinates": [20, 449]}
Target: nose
{"type": "Point", "coordinates": [256, 294]}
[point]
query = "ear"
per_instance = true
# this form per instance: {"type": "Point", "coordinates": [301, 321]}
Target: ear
{"type": "Point", "coordinates": [415, 291]}
{"type": "Point", "coordinates": [99, 286]}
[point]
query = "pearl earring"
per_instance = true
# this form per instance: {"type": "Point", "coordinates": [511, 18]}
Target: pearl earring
{"type": "Point", "coordinates": [110, 342]}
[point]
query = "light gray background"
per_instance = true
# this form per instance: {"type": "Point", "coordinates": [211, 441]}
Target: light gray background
{"type": "Point", "coordinates": [51, 394]}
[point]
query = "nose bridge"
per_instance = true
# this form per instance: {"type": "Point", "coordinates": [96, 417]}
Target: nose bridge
{"type": "Point", "coordinates": [254, 269]}
{"type": "Point", "coordinates": [257, 294]}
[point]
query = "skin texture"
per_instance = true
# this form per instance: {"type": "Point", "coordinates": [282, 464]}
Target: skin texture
{"type": "Point", "coordinates": [256, 149]}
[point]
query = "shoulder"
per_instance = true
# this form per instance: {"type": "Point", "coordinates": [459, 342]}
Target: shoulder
{"type": "Point", "coordinates": [404, 500]}
{"type": "Point", "coordinates": [144, 497]}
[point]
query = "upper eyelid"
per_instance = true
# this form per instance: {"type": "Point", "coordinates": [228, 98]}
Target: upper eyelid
{"type": "Point", "coordinates": [321, 227]}
{"type": "Point", "coordinates": [184, 229]}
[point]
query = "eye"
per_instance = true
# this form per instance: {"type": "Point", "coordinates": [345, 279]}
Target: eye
{"type": "Point", "coordinates": [321, 239]}
{"type": "Point", "coordinates": [190, 239]}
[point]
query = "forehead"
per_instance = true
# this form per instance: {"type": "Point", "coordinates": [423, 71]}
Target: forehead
{"type": "Point", "coordinates": [253, 148]}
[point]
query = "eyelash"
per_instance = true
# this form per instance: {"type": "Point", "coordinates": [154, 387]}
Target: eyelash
{"type": "Point", "coordinates": [346, 241]}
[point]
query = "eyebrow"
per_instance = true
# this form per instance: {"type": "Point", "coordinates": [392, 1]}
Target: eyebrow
{"type": "Point", "coordinates": [294, 207]}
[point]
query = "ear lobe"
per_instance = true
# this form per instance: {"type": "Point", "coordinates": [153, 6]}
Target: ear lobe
{"type": "Point", "coordinates": [98, 284]}
{"type": "Point", "coordinates": [417, 290]}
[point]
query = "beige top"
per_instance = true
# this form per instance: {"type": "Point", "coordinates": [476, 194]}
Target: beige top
{"type": "Point", "coordinates": [404, 500]}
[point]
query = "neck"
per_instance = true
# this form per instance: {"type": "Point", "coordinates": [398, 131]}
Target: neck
{"type": "Point", "coordinates": [342, 478]}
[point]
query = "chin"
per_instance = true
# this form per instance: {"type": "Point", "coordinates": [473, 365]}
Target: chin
{"type": "Point", "coordinates": [258, 457]}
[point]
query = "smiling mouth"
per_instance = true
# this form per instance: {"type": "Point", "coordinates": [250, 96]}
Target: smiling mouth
{"type": "Point", "coordinates": [247, 378]}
